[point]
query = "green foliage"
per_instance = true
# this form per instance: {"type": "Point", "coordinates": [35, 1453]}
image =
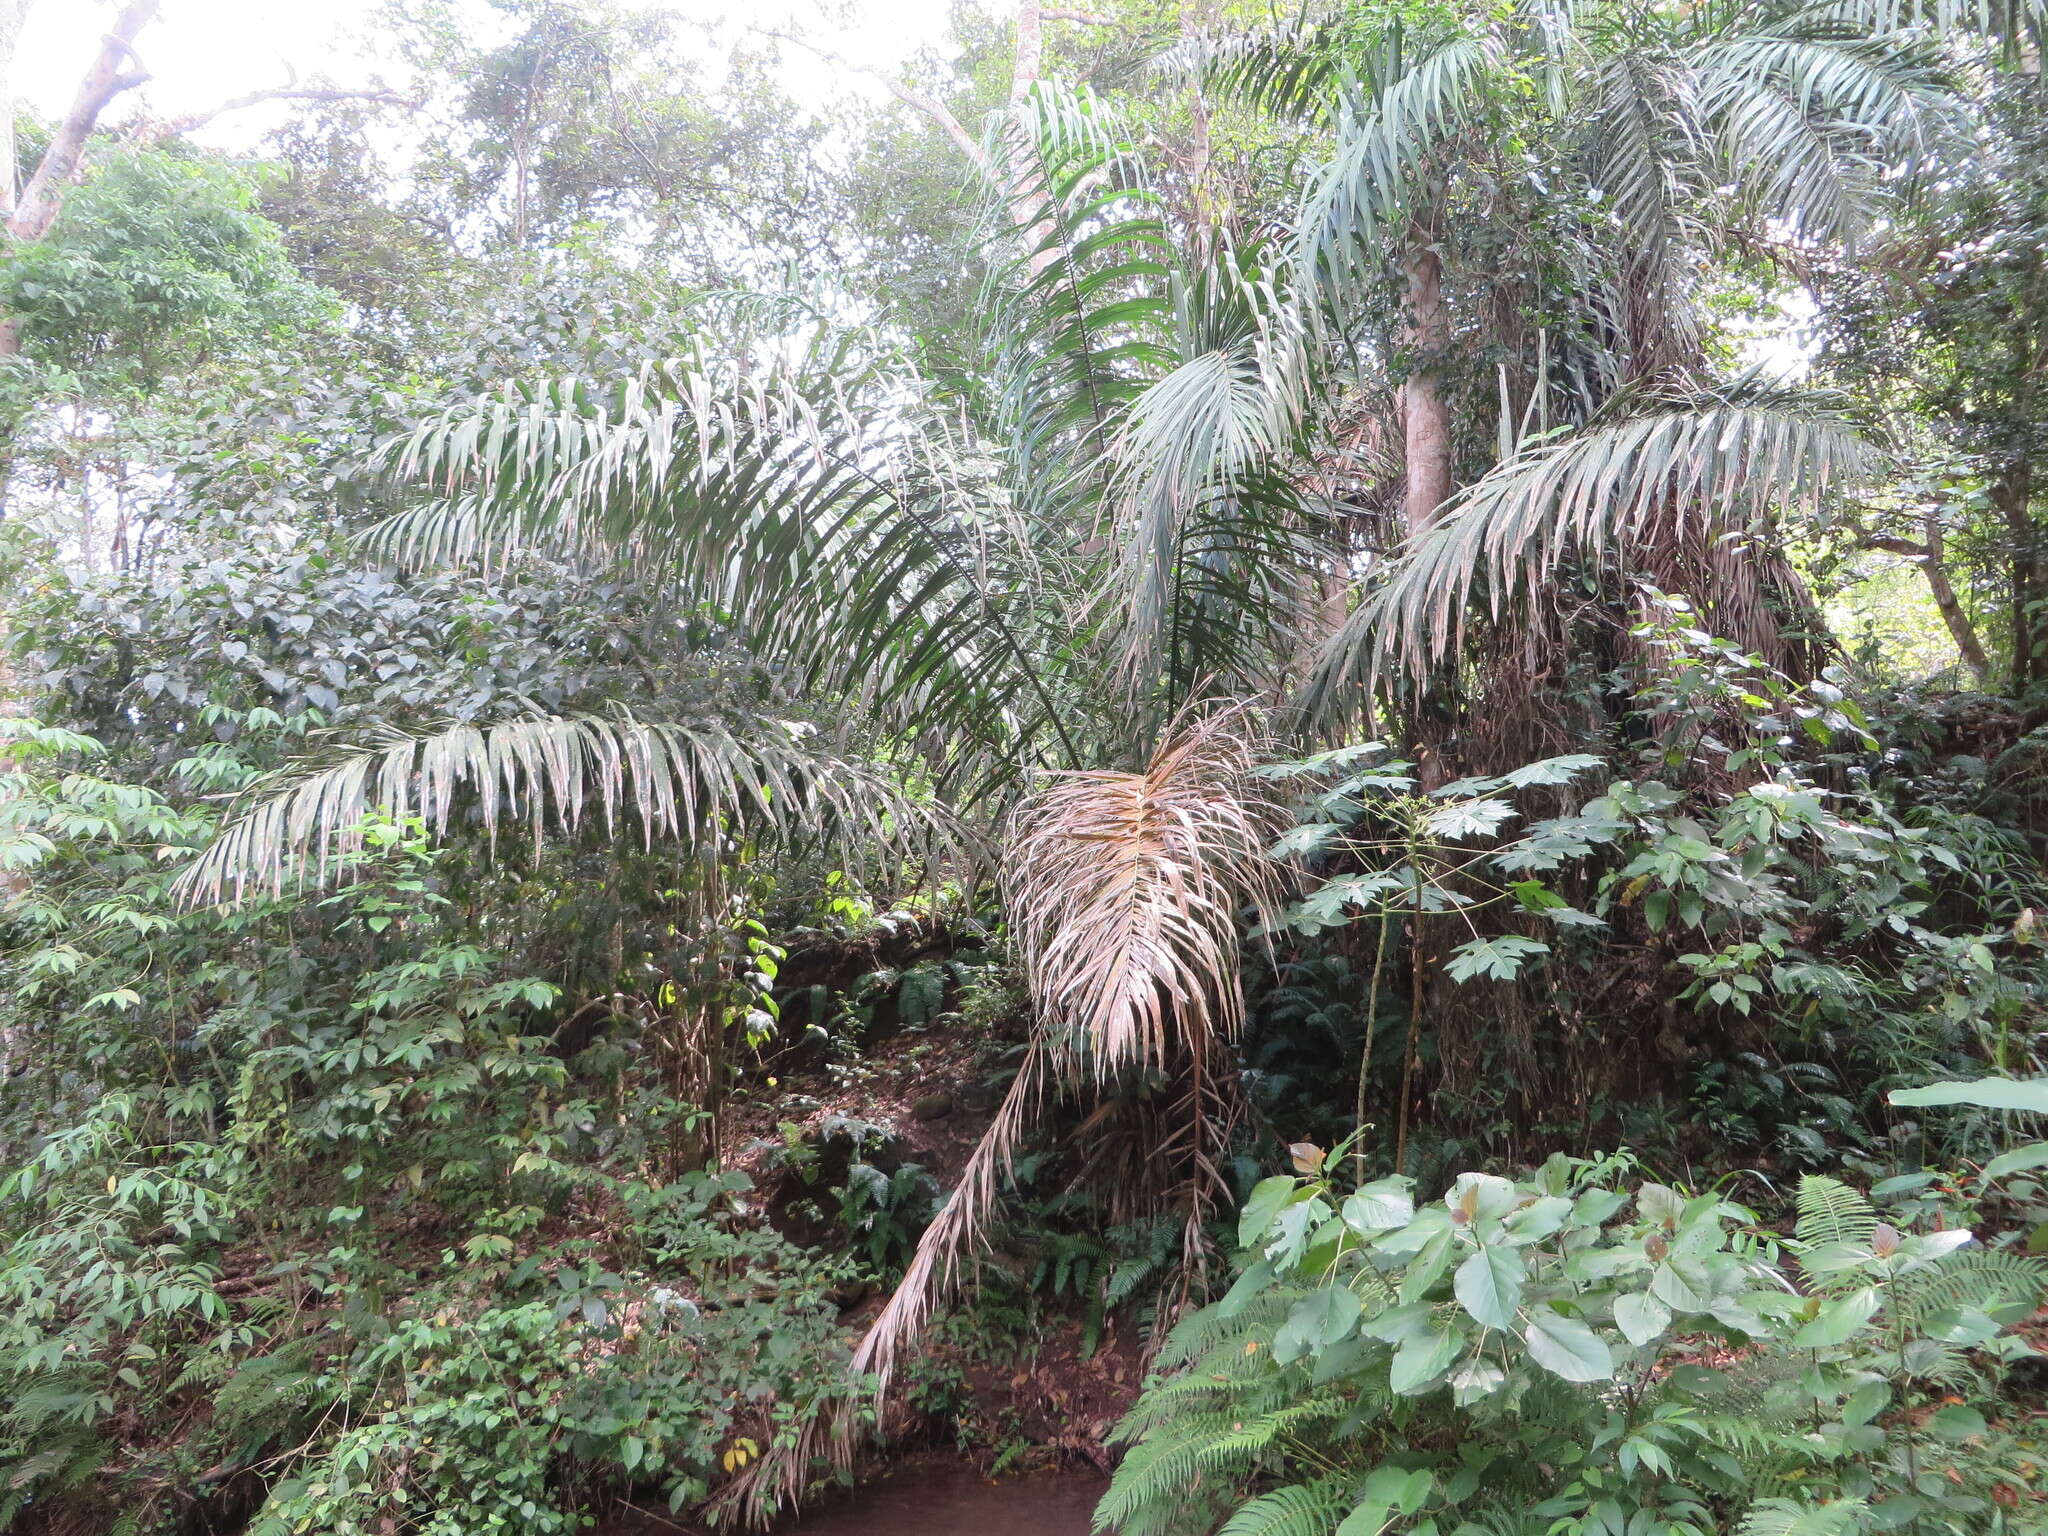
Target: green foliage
{"type": "Point", "coordinates": [158, 263]}
{"type": "Point", "coordinates": [1562, 1355]}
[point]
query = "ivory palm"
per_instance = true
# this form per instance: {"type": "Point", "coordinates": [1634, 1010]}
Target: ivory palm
{"type": "Point", "coordinates": [1050, 591]}
{"type": "Point", "coordinates": [1679, 132]}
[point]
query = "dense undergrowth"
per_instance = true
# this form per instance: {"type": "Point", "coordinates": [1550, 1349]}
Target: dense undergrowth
{"type": "Point", "coordinates": [696, 787]}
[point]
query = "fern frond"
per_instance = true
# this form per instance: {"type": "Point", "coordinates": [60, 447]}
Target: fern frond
{"type": "Point", "coordinates": [1787, 1517]}
{"type": "Point", "coordinates": [1831, 1212]}
{"type": "Point", "coordinates": [1301, 1509]}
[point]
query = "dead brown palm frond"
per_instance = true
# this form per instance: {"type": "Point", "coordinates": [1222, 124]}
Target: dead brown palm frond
{"type": "Point", "coordinates": [1128, 891]}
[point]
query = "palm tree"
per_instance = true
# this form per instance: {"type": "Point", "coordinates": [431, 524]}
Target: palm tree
{"type": "Point", "coordinates": [1109, 575]}
{"type": "Point", "coordinates": [1535, 192]}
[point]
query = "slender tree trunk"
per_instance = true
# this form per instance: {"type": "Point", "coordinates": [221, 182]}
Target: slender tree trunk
{"type": "Point", "coordinates": [1933, 561]}
{"type": "Point", "coordinates": [2012, 498]}
{"type": "Point", "coordinates": [1425, 415]}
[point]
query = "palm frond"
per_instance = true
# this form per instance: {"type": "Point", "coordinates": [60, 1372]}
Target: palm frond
{"type": "Point", "coordinates": [1714, 461]}
{"type": "Point", "coordinates": [1218, 543]}
{"type": "Point", "coordinates": [678, 782]}
{"type": "Point", "coordinates": [1083, 313]}
{"type": "Point", "coordinates": [849, 536]}
{"type": "Point", "coordinates": [1126, 889]}
{"type": "Point", "coordinates": [1408, 100]}
{"type": "Point", "coordinates": [1290, 70]}
{"type": "Point", "coordinates": [1812, 117]}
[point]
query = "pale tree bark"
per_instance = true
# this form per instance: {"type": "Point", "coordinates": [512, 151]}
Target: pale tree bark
{"type": "Point", "coordinates": [110, 74]}
{"type": "Point", "coordinates": [1425, 414]}
{"type": "Point", "coordinates": [12, 14]}
{"type": "Point", "coordinates": [31, 214]}
{"type": "Point", "coordinates": [1930, 553]}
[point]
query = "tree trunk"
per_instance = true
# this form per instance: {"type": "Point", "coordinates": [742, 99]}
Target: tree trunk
{"type": "Point", "coordinates": [100, 85]}
{"type": "Point", "coordinates": [1425, 416]}
{"type": "Point", "coordinates": [2012, 498]}
{"type": "Point", "coordinates": [1961, 630]}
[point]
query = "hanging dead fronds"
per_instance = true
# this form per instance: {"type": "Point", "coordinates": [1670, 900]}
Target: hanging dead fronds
{"type": "Point", "coordinates": [1129, 892]}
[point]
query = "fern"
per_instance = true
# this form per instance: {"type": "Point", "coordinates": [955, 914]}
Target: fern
{"type": "Point", "coordinates": [1205, 1449]}
{"type": "Point", "coordinates": [1788, 1517]}
{"type": "Point", "coordinates": [1831, 1212]}
{"type": "Point", "coordinates": [1300, 1509]}
{"type": "Point", "coordinates": [269, 1386]}
{"type": "Point", "coordinates": [1986, 1279]}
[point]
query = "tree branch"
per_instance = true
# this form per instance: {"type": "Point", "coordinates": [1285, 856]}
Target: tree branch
{"type": "Point", "coordinates": [104, 81]}
{"type": "Point", "coordinates": [1930, 553]}
{"type": "Point", "coordinates": [172, 127]}
{"type": "Point", "coordinates": [911, 97]}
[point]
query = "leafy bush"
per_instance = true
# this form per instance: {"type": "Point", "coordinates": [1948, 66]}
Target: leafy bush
{"type": "Point", "coordinates": [1564, 1355]}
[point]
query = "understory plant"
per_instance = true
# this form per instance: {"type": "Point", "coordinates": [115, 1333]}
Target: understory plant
{"type": "Point", "coordinates": [1581, 1352]}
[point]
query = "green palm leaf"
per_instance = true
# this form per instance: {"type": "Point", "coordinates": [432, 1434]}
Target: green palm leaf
{"type": "Point", "coordinates": [683, 783]}
{"type": "Point", "coordinates": [1714, 461]}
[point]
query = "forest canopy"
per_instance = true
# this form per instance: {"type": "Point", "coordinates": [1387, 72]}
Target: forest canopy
{"type": "Point", "coordinates": [1297, 750]}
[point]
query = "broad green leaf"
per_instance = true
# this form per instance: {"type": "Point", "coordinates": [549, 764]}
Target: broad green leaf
{"type": "Point", "coordinates": [1388, 1492]}
{"type": "Point", "coordinates": [1866, 1402]}
{"type": "Point", "coordinates": [2018, 1160]}
{"type": "Point", "coordinates": [1957, 1422]}
{"type": "Point", "coordinates": [1660, 1203]}
{"type": "Point", "coordinates": [1427, 1267]}
{"type": "Point", "coordinates": [1249, 1284]}
{"type": "Point", "coordinates": [1322, 1317]}
{"type": "Point", "coordinates": [1676, 1290]}
{"type": "Point", "coordinates": [1567, 1347]}
{"type": "Point", "coordinates": [1538, 1220]}
{"type": "Point", "coordinates": [1379, 1206]}
{"type": "Point", "coordinates": [1263, 1204]}
{"type": "Point", "coordinates": [1489, 1285]}
{"type": "Point", "coordinates": [2030, 1094]}
{"type": "Point", "coordinates": [1397, 1325]}
{"type": "Point", "coordinates": [1422, 1359]}
{"type": "Point", "coordinates": [1596, 1206]}
{"type": "Point", "coordinates": [1477, 1378]}
{"type": "Point", "coordinates": [1480, 1196]}
{"type": "Point", "coordinates": [1838, 1321]}
{"type": "Point", "coordinates": [1641, 1317]}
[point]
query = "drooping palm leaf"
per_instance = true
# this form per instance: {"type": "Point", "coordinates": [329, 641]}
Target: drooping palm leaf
{"type": "Point", "coordinates": [1812, 115]}
{"type": "Point", "coordinates": [674, 782]}
{"type": "Point", "coordinates": [1715, 461]}
{"type": "Point", "coordinates": [1220, 546]}
{"type": "Point", "coordinates": [1410, 96]}
{"type": "Point", "coordinates": [1082, 312]}
{"type": "Point", "coordinates": [1128, 891]}
{"type": "Point", "coordinates": [845, 534]}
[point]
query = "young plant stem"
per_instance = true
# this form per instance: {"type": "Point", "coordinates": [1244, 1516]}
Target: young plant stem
{"type": "Point", "coordinates": [1408, 1051]}
{"type": "Point", "coordinates": [1372, 1019]}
